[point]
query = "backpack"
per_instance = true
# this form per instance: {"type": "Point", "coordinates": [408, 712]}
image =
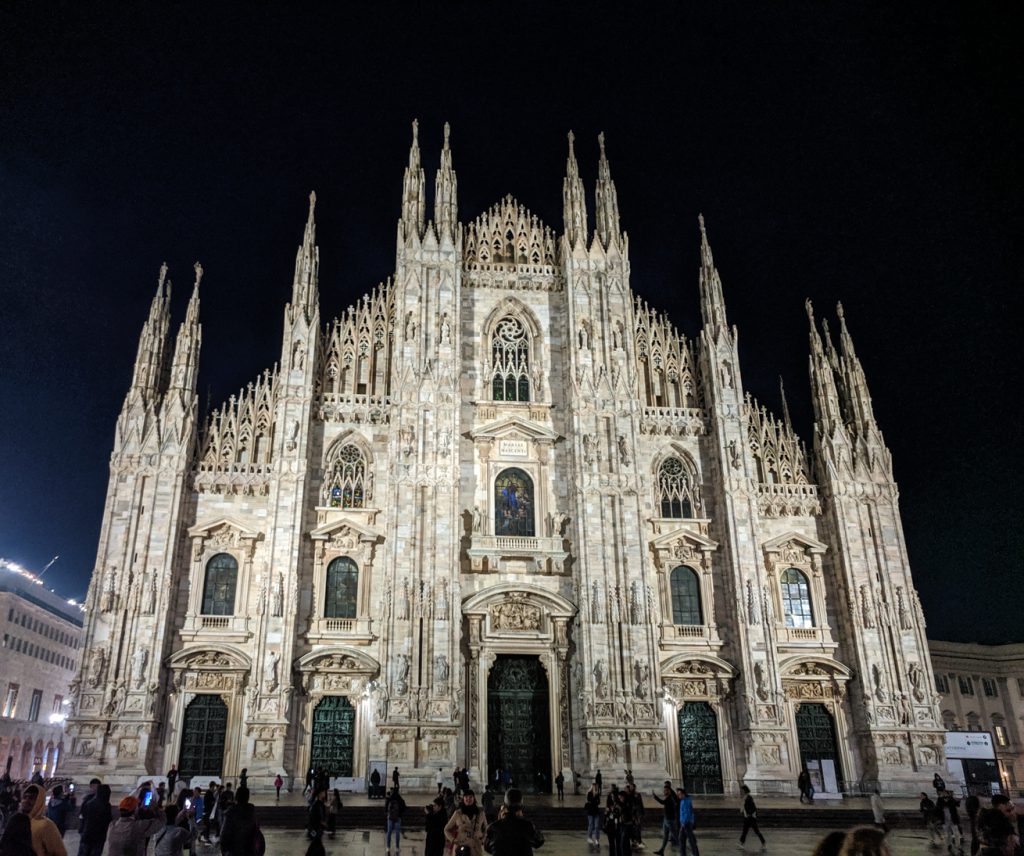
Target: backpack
{"type": "Point", "coordinates": [394, 809]}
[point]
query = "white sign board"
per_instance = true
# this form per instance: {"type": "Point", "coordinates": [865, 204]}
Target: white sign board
{"type": "Point", "coordinates": [969, 744]}
{"type": "Point", "coordinates": [513, 448]}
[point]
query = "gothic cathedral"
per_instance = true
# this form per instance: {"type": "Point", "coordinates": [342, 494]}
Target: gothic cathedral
{"type": "Point", "coordinates": [499, 513]}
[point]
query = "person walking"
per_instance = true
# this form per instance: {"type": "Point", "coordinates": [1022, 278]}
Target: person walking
{"type": "Point", "coordinates": [612, 823]}
{"type": "Point", "coordinates": [627, 823]}
{"type": "Point", "coordinates": [803, 782]}
{"type": "Point", "coordinates": [394, 779]}
{"type": "Point", "coordinates": [394, 808]}
{"type": "Point", "coordinates": [637, 806]}
{"type": "Point", "coordinates": [513, 834]}
{"type": "Point", "coordinates": [669, 803]}
{"type": "Point", "coordinates": [878, 810]}
{"type": "Point", "coordinates": [599, 780]}
{"type": "Point", "coordinates": [939, 784]}
{"type": "Point", "coordinates": [927, 809]}
{"type": "Point", "coordinates": [278, 782]}
{"type": "Point", "coordinates": [560, 786]}
{"type": "Point", "coordinates": [467, 826]}
{"type": "Point", "coordinates": [172, 778]}
{"type": "Point", "coordinates": [375, 784]}
{"type": "Point", "coordinates": [316, 823]}
{"type": "Point", "coordinates": [972, 805]}
{"type": "Point", "coordinates": [749, 811]}
{"type": "Point", "coordinates": [687, 822]}
{"type": "Point", "coordinates": [439, 780]}
{"type": "Point", "coordinates": [593, 810]}
{"type": "Point", "coordinates": [947, 808]}
{"type": "Point", "coordinates": [434, 822]}
{"type": "Point", "coordinates": [334, 807]}
{"type": "Point", "coordinates": [240, 833]}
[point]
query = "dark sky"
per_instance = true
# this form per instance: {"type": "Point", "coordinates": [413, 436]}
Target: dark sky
{"type": "Point", "coordinates": [863, 153]}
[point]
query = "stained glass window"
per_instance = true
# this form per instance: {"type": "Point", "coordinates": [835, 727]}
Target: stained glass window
{"type": "Point", "coordinates": [685, 589]}
{"type": "Point", "coordinates": [513, 504]}
{"type": "Point", "coordinates": [796, 599]}
{"type": "Point", "coordinates": [676, 489]}
{"type": "Point", "coordinates": [342, 589]}
{"type": "Point", "coordinates": [510, 361]}
{"type": "Point", "coordinates": [345, 483]}
{"type": "Point", "coordinates": [219, 590]}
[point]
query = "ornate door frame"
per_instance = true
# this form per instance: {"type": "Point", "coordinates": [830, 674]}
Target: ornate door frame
{"type": "Point", "coordinates": [518, 618]}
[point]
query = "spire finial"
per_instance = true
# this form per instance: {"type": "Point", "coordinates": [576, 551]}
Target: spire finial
{"type": "Point", "coordinates": [415, 131]}
{"type": "Point", "coordinates": [600, 143]}
{"type": "Point", "coordinates": [706, 257]}
{"type": "Point", "coordinates": [312, 204]}
{"type": "Point", "coordinates": [447, 133]}
{"type": "Point", "coordinates": [785, 406]}
{"type": "Point", "coordinates": [572, 139]}
{"type": "Point", "coordinates": [809, 309]}
{"type": "Point", "coordinates": [198, 268]}
{"type": "Point", "coordinates": [839, 310]}
{"type": "Point", "coordinates": [163, 275]}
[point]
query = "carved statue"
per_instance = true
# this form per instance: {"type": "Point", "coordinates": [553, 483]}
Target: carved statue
{"type": "Point", "coordinates": [865, 605]}
{"type": "Point", "coordinates": [901, 610]}
{"type": "Point", "coordinates": [478, 521]}
{"type": "Point", "coordinates": [107, 601]}
{"type": "Point", "coordinates": [401, 673]}
{"type": "Point", "coordinates": [590, 450]}
{"type": "Point", "coordinates": [917, 681]}
{"type": "Point", "coordinates": [441, 671]}
{"type": "Point", "coordinates": [751, 604]}
{"type": "Point", "coordinates": [905, 711]}
{"type": "Point", "coordinates": [759, 685]}
{"type": "Point", "coordinates": [441, 609]}
{"type": "Point", "coordinates": [149, 605]}
{"type": "Point", "coordinates": [116, 702]}
{"type": "Point", "coordinates": [270, 671]}
{"type": "Point", "coordinates": [879, 680]}
{"type": "Point", "coordinates": [600, 680]}
{"type": "Point", "coordinates": [139, 660]}
{"type": "Point", "coordinates": [446, 330]}
{"type": "Point", "coordinates": [403, 601]}
{"type": "Point", "coordinates": [596, 604]}
{"type": "Point", "coordinates": [623, 450]}
{"type": "Point", "coordinates": [99, 661]}
{"type": "Point", "coordinates": [635, 603]}
{"type": "Point", "coordinates": [642, 674]}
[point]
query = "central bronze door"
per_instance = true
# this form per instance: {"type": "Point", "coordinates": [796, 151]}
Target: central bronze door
{"type": "Point", "coordinates": [518, 727]}
{"type": "Point", "coordinates": [334, 731]}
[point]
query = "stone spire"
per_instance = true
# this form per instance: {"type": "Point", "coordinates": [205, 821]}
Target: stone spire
{"type": "Point", "coordinates": [574, 203]}
{"type": "Point", "coordinates": [606, 200]}
{"type": "Point", "coordinates": [712, 304]}
{"type": "Point", "coordinates": [148, 376]}
{"type": "Point", "coordinates": [859, 399]}
{"type": "Point", "coordinates": [824, 393]}
{"type": "Point", "coordinates": [413, 190]}
{"type": "Point", "coordinates": [446, 202]}
{"type": "Point", "coordinates": [305, 286]}
{"type": "Point", "coordinates": [185, 367]}
{"type": "Point", "coordinates": [785, 407]}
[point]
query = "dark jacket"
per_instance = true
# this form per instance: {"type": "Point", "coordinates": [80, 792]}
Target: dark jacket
{"type": "Point", "coordinates": [97, 817]}
{"type": "Point", "coordinates": [434, 824]}
{"type": "Point", "coordinates": [59, 809]}
{"type": "Point", "coordinates": [394, 806]}
{"type": "Point", "coordinates": [239, 830]}
{"type": "Point", "coordinates": [951, 803]}
{"type": "Point", "coordinates": [512, 836]}
{"type": "Point", "coordinates": [749, 807]}
{"type": "Point", "coordinates": [670, 805]}
{"type": "Point", "coordinates": [593, 805]}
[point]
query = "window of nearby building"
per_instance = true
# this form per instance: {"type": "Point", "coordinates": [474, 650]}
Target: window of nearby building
{"type": "Point", "coordinates": [34, 705]}
{"type": "Point", "coordinates": [988, 686]}
{"type": "Point", "coordinates": [513, 503]}
{"type": "Point", "coordinates": [342, 582]}
{"type": "Point", "coordinates": [1020, 687]}
{"type": "Point", "coordinates": [685, 589]}
{"type": "Point", "coordinates": [941, 683]}
{"type": "Point", "coordinates": [510, 361]}
{"type": "Point", "coordinates": [219, 590]}
{"type": "Point", "coordinates": [973, 722]}
{"type": "Point", "coordinates": [58, 701]}
{"type": "Point", "coordinates": [346, 479]}
{"type": "Point", "coordinates": [966, 687]}
{"type": "Point", "coordinates": [11, 700]}
{"type": "Point", "coordinates": [796, 599]}
{"type": "Point", "coordinates": [676, 489]}
{"type": "Point", "coordinates": [949, 720]}
{"type": "Point", "coordinates": [1001, 738]}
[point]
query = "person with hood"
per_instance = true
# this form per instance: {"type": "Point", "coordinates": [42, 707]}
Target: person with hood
{"type": "Point", "coordinates": [175, 836]}
{"type": "Point", "coordinates": [240, 834]}
{"type": "Point", "coordinates": [17, 837]}
{"type": "Point", "coordinates": [46, 838]}
{"type": "Point", "coordinates": [467, 826]}
{"type": "Point", "coordinates": [60, 809]}
{"type": "Point", "coordinates": [135, 825]}
{"type": "Point", "coordinates": [513, 834]}
{"type": "Point", "coordinates": [97, 815]}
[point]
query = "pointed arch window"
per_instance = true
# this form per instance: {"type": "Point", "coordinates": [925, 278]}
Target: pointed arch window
{"type": "Point", "coordinates": [342, 589]}
{"type": "Point", "coordinates": [677, 494]}
{"type": "Point", "coordinates": [685, 589]}
{"type": "Point", "coordinates": [796, 599]}
{"type": "Point", "coordinates": [510, 361]}
{"type": "Point", "coordinates": [346, 484]}
{"type": "Point", "coordinates": [219, 585]}
{"type": "Point", "coordinates": [513, 504]}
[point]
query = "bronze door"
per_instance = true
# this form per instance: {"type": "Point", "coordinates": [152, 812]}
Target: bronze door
{"type": "Point", "coordinates": [334, 730]}
{"type": "Point", "coordinates": [518, 726]}
{"type": "Point", "coordinates": [203, 733]}
{"type": "Point", "coordinates": [698, 745]}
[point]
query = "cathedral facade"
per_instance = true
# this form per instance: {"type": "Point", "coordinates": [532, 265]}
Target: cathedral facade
{"type": "Point", "coordinates": [500, 513]}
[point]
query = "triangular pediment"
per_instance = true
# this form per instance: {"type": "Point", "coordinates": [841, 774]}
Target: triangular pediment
{"type": "Point", "coordinates": [512, 426]}
{"type": "Point", "coordinates": [682, 534]}
{"type": "Point", "coordinates": [345, 526]}
{"type": "Point", "coordinates": [799, 541]}
{"type": "Point", "coordinates": [508, 234]}
{"type": "Point", "coordinates": [201, 530]}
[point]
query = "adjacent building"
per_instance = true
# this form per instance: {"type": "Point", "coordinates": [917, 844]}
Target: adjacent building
{"type": "Point", "coordinates": [500, 512]}
{"type": "Point", "coordinates": [981, 688]}
{"type": "Point", "coordinates": [41, 653]}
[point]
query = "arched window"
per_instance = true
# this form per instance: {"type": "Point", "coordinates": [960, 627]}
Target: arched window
{"type": "Point", "coordinates": [677, 494]}
{"type": "Point", "coordinates": [973, 722]}
{"type": "Point", "coordinates": [796, 599]}
{"type": "Point", "coordinates": [685, 589]}
{"type": "Point", "coordinates": [345, 484]}
{"type": "Point", "coordinates": [219, 590]}
{"type": "Point", "coordinates": [342, 588]}
{"type": "Point", "coordinates": [949, 720]}
{"type": "Point", "coordinates": [513, 504]}
{"type": "Point", "coordinates": [510, 361]}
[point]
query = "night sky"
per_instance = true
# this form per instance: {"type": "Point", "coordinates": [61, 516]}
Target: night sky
{"type": "Point", "coordinates": [848, 152]}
